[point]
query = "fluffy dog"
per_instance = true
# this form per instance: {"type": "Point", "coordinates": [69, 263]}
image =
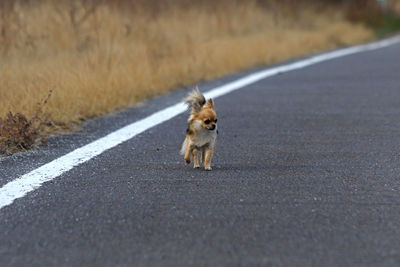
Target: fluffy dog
{"type": "Point", "coordinates": [202, 131]}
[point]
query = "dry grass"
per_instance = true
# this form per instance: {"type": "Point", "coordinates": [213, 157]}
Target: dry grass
{"type": "Point", "coordinates": [100, 57]}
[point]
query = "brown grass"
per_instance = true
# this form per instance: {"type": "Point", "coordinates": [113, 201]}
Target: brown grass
{"type": "Point", "coordinates": [103, 57]}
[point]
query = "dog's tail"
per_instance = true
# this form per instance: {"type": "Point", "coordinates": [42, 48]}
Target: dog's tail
{"type": "Point", "coordinates": [195, 100]}
{"type": "Point", "coordinates": [184, 146]}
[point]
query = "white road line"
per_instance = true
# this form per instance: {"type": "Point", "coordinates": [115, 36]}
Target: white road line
{"type": "Point", "coordinates": [34, 179]}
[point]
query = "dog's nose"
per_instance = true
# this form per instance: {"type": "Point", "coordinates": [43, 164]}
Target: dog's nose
{"type": "Point", "coordinates": [212, 127]}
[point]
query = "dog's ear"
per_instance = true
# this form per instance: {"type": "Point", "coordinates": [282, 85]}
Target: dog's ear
{"type": "Point", "coordinates": [210, 103]}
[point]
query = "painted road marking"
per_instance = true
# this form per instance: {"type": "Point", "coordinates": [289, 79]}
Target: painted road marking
{"type": "Point", "coordinates": [34, 179]}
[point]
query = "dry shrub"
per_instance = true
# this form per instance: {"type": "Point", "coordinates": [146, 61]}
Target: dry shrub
{"type": "Point", "coordinates": [367, 11]}
{"type": "Point", "coordinates": [395, 5]}
{"type": "Point", "coordinates": [18, 133]}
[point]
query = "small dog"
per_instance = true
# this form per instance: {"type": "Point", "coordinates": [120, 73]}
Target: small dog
{"type": "Point", "coordinates": [202, 131]}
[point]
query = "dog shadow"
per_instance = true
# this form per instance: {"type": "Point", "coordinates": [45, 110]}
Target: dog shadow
{"type": "Point", "coordinates": [235, 167]}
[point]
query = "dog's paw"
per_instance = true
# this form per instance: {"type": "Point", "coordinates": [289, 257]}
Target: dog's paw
{"type": "Point", "coordinates": [208, 168]}
{"type": "Point", "coordinates": [196, 166]}
{"type": "Point", "coordinates": [187, 161]}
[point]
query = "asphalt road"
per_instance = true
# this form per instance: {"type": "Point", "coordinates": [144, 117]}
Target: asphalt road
{"type": "Point", "coordinates": [306, 173]}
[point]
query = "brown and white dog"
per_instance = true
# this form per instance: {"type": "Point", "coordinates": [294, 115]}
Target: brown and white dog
{"type": "Point", "coordinates": [202, 131]}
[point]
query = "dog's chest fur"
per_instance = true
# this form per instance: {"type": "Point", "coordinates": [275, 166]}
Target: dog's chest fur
{"type": "Point", "coordinates": [204, 137]}
{"type": "Point", "coordinates": [200, 137]}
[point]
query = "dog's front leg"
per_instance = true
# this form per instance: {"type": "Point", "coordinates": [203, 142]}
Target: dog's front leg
{"type": "Point", "coordinates": [195, 161]}
{"type": "Point", "coordinates": [207, 162]}
{"type": "Point", "coordinates": [187, 154]}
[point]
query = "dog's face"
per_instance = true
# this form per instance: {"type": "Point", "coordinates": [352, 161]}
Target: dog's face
{"type": "Point", "coordinates": [207, 116]}
{"type": "Point", "coordinates": [208, 119]}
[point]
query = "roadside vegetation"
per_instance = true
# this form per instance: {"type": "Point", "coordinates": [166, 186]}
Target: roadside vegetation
{"type": "Point", "coordinates": [97, 56]}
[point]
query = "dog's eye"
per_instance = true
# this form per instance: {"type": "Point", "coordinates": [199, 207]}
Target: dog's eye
{"type": "Point", "coordinates": [215, 120]}
{"type": "Point", "coordinates": [207, 121]}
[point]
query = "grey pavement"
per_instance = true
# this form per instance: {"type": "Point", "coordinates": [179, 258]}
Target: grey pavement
{"type": "Point", "coordinates": [306, 173]}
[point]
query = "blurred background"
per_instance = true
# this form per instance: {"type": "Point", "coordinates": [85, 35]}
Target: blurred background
{"type": "Point", "coordinates": [64, 61]}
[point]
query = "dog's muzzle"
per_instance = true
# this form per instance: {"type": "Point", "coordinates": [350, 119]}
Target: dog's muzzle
{"type": "Point", "coordinates": [212, 128]}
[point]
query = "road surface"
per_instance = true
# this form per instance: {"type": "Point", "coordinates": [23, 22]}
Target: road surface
{"type": "Point", "coordinates": [305, 173]}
